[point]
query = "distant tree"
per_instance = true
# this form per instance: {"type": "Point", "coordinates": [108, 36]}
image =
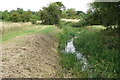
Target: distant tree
{"type": "Point", "coordinates": [45, 16]}
{"type": "Point", "coordinates": [85, 19]}
{"type": "Point", "coordinates": [14, 16]}
{"type": "Point", "coordinates": [106, 12]}
{"type": "Point", "coordinates": [81, 15]}
{"type": "Point", "coordinates": [0, 15]}
{"type": "Point", "coordinates": [26, 16]}
{"type": "Point", "coordinates": [20, 10]}
{"type": "Point", "coordinates": [71, 13]}
{"type": "Point", "coordinates": [19, 15]}
{"type": "Point", "coordinates": [35, 15]}
{"type": "Point", "coordinates": [5, 15]}
{"type": "Point", "coordinates": [101, 13]}
{"type": "Point", "coordinates": [64, 14]}
{"type": "Point", "coordinates": [89, 17]}
{"type": "Point", "coordinates": [52, 13]}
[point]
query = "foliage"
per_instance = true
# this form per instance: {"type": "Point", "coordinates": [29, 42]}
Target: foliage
{"type": "Point", "coordinates": [0, 15]}
{"type": "Point", "coordinates": [100, 13]}
{"type": "Point", "coordinates": [71, 13]}
{"type": "Point", "coordinates": [20, 10]}
{"type": "Point", "coordinates": [64, 14]}
{"type": "Point", "coordinates": [85, 19]}
{"type": "Point", "coordinates": [5, 15]}
{"type": "Point", "coordinates": [100, 47]}
{"type": "Point", "coordinates": [68, 62]}
{"type": "Point", "coordinates": [105, 13]}
{"type": "Point", "coordinates": [81, 15]}
{"type": "Point", "coordinates": [14, 17]}
{"type": "Point", "coordinates": [102, 52]}
{"type": "Point", "coordinates": [51, 14]}
{"type": "Point", "coordinates": [33, 21]}
{"type": "Point", "coordinates": [19, 15]}
{"type": "Point", "coordinates": [26, 16]}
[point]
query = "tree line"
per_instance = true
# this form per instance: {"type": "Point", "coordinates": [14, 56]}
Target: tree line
{"type": "Point", "coordinates": [102, 13]}
{"type": "Point", "coordinates": [19, 15]}
{"type": "Point", "coordinates": [99, 13]}
{"type": "Point", "coordinates": [49, 15]}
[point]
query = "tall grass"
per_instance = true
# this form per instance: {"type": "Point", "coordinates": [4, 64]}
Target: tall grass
{"type": "Point", "coordinates": [101, 51]}
{"type": "Point", "coordinates": [98, 45]}
{"type": "Point", "coordinates": [70, 65]}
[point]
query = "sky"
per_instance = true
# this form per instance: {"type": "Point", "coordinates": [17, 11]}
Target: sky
{"type": "Point", "coordinates": [36, 5]}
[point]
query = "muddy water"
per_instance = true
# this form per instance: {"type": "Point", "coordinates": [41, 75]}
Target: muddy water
{"type": "Point", "coordinates": [71, 49]}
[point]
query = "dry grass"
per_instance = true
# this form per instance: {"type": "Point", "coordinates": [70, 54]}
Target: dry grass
{"type": "Point", "coordinates": [11, 26]}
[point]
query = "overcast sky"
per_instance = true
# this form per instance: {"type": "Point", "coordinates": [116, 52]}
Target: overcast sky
{"type": "Point", "coordinates": [35, 5]}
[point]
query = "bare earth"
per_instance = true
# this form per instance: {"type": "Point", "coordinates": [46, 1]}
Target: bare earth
{"type": "Point", "coordinates": [30, 56]}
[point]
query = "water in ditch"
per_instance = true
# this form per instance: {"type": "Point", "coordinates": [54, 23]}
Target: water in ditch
{"type": "Point", "coordinates": [70, 48]}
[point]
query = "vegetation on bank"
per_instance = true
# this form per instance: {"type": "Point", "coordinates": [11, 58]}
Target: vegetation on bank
{"type": "Point", "coordinates": [70, 66]}
{"type": "Point", "coordinates": [101, 49]}
{"type": "Point", "coordinates": [98, 45]}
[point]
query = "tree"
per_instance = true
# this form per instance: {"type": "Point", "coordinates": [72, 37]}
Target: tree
{"type": "Point", "coordinates": [20, 10]}
{"type": "Point", "coordinates": [51, 14]}
{"type": "Point", "coordinates": [80, 14]}
{"type": "Point", "coordinates": [64, 14]}
{"type": "Point", "coordinates": [89, 17]}
{"type": "Point", "coordinates": [5, 15]}
{"type": "Point", "coordinates": [26, 16]}
{"type": "Point", "coordinates": [14, 16]}
{"type": "Point", "coordinates": [0, 15]}
{"type": "Point", "coordinates": [71, 13]}
{"type": "Point", "coordinates": [106, 12]}
{"type": "Point", "coordinates": [20, 15]}
{"type": "Point", "coordinates": [35, 15]}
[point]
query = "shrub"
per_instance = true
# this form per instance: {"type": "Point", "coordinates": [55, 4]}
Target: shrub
{"type": "Point", "coordinates": [33, 21]}
{"type": "Point", "coordinates": [51, 14]}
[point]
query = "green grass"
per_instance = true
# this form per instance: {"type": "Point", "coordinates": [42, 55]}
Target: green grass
{"type": "Point", "coordinates": [66, 34]}
{"type": "Point", "coordinates": [68, 62]}
{"type": "Point", "coordinates": [26, 31]}
{"type": "Point", "coordinates": [100, 47]}
{"type": "Point", "coordinates": [101, 51]}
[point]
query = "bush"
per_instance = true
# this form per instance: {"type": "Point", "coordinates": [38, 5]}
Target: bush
{"type": "Point", "coordinates": [80, 24]}
{"type": "Point", "coordinates": [51, 15]}
{"type": "Point", "coordinates": [33, 21]}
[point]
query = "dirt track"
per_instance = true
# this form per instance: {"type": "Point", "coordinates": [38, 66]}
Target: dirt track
{"type": "Point", "coordinates": [32, 56]}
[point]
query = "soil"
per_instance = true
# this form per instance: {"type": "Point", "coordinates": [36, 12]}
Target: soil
{"type": "Point", "coordinates": [30, 56]}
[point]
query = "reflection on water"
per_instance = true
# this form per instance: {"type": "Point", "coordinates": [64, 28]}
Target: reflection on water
{"type": "Point", "coordinates": [71, 49]}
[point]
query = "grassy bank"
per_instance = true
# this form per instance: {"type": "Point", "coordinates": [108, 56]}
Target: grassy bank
{"type": "Point", "coordinates": [100, 46]}
{"type": "Point", "coordinates": [14, 30]}
{"type": "Point", "coordinates": [70, 66]}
